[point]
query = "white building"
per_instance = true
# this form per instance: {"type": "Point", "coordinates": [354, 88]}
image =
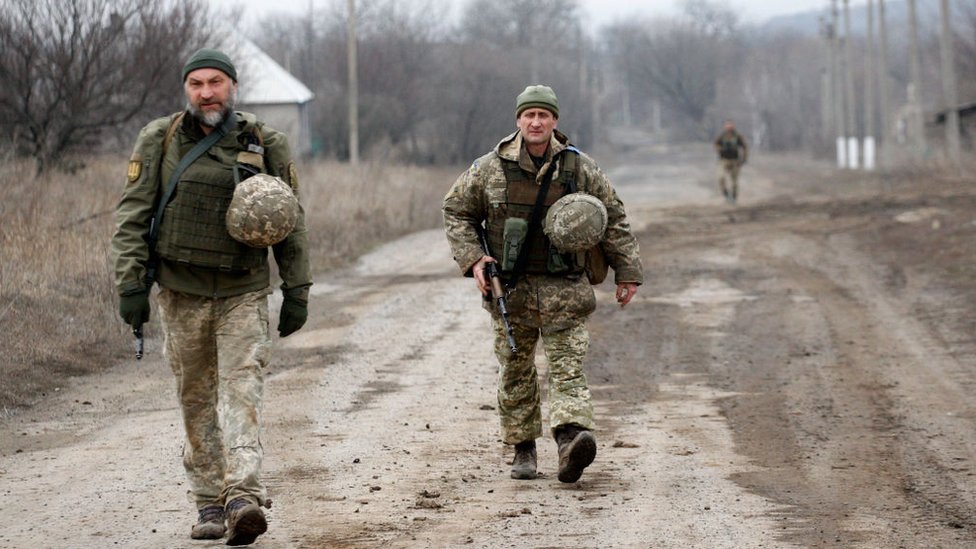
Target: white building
{"type": "Point", "coordinates": [273, 94]}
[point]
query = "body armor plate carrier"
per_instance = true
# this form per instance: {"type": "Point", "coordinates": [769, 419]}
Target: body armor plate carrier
{"type": "Point", "coordinates": [194, 230]}
{"type": "Point", "coordinates": [516, 200]}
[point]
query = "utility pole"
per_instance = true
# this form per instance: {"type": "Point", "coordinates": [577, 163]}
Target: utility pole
{"type": "Point", "coordinates": [883, 89]}
{"type": "Point", "coordinates": [827, 84]}
{"type": "Point", "coordinates": [950, 102]}
{"type": "Point", "coordinates": [915, 91]}
{"type": "Point", "coordinates": [869, 92]}
{"type": "Point", "coordinates": [838, 79]}
{"type": "Point", "coordinates": [353, 83]}
{"type": "Point", "coordinates": [586, 138]}
{"type": "Point", "coordinates": [852, 145]}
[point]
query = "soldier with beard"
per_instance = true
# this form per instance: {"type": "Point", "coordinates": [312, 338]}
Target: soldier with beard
{"type": "Point", "coordinates": [214, 289]}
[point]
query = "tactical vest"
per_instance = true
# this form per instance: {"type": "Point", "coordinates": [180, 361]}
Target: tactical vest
{"type": "Point", "coordinates": [516, 196]}
{"type": "Point", "coordinates": [729, 146]}
{"type": "Point", "coordinates": [193, 231]}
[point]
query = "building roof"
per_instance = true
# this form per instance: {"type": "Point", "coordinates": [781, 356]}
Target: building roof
{"type": "Point", "coordinates": [966, 110]}
{"type": "Point", "coordinates": [263, 81]}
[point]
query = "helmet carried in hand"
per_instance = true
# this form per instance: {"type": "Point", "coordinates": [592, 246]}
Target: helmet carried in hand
{"type": "Point", "coordinates": [576, 222]}
{"type": "Point", "coordinates": [263, 211]}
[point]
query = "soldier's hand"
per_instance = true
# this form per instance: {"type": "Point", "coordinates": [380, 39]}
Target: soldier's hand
{"type": "Point", "coordinates": [625, 292]}
{"type": "Point", "coordinates": [134, 307]}
{"type": "Point", "coordinates": [294, 313]}
{"type": "Point", "coordinates": [480, 276]}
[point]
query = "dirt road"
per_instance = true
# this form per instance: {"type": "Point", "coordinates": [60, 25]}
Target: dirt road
{"type": "Point", "coordinates": [797, 372]}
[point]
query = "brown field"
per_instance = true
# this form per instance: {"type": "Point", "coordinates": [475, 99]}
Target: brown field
{"type": "Point", "coordinates": [57, 300]}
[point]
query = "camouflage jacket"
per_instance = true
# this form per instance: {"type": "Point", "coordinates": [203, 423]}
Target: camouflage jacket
{"type": "Point", "coordinates": [146, 185]}
{"type": "Point", "coordinates": [466, 205]}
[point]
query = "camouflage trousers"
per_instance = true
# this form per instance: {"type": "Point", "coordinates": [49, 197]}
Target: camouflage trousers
{"type": "Point", "coordinates": [729, 171]}
{"type": "Point", "coordinates": [218, 349]}
{"type": "Point", "coordinates": [519, 394]}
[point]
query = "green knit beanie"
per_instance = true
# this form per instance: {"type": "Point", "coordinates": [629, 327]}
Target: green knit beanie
{"type": "Point", "coordinates": [207, 58]}
{"type": "Point", "coordinates": [537, 96]}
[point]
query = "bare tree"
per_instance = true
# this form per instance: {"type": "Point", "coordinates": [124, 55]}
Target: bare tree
{"type": "Point", "coordinates": [679, 61]}
{"type": "Point", "coordinates": [965, 46]}
{"type": "Point", "coordinates": [70, 70]}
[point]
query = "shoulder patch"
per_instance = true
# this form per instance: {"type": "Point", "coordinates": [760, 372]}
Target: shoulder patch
{"type": "Point", "coordinates": [135, 168]}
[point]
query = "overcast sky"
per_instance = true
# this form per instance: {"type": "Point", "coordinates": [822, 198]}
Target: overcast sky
{"type": "Point", "coordinates": [598, 11]}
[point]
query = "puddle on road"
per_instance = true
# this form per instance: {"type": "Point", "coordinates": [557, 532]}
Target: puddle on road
{"type": "Point", "coordinates": [707, 302]}
{"type": "Point", "coordinates": [920, 214]}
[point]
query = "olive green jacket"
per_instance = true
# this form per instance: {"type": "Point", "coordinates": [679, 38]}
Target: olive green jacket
{"type": "Point", "coordinates": [145, 185]}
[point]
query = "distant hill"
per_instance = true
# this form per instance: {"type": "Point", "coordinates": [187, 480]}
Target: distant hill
{"type": "Point", "coordinates": [808, 22]}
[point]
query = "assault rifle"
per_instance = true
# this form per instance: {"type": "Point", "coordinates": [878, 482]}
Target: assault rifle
{"type": "Point", "coordinates": [497, 292]}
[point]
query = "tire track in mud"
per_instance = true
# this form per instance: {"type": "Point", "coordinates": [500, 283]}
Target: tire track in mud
{"type": "Point", "coordinates": [851, 437]}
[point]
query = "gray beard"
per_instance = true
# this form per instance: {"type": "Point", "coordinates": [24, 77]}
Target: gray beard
{"type": "Point", "coordinates": [212, 119]}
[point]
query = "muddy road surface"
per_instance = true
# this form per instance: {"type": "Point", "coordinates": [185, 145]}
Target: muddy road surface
{"type": "Point", "coordinates": [798, 371]}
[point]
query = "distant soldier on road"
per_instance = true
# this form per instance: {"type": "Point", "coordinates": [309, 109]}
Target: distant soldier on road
{"type": "Point", "coordinates": [732, 153]}
{"type": "Point", "coordinates": [546, 209]}
{"type": "Point", "coordinates": [208, 191]}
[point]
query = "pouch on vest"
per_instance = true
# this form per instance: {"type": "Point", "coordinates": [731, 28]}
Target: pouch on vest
{"type": "Point", "coordinates": [516, 230]}
{"type": "Point", "coordinates": [558, 263]}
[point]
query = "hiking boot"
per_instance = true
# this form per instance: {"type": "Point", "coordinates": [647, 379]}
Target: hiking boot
{"type": "Point", "coordinates": [245, 522]}
{"type": "Point", "coordinates": [524, 464]}
{"type": "Point", "coordinates": [210, 523]}
{"type": "Point", "coordinates": [577, 449]}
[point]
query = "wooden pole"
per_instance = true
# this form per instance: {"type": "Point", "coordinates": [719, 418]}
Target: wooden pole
{"type": "Point", "coordinates": [915, 92]}
{"type": "Point", "coordinates": [869, 92]}
{"type": "Point", "coordinates": [949, 100]}
{"type": "Point", "coordinates": [884, 93]}
{"type": "Point", "coordinates": [353, 83]}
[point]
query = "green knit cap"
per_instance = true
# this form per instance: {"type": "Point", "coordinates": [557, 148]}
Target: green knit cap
{"type": "Point", "coordinates": [537, 96]}
{"type": "Point", "coordinates": [207, 58]}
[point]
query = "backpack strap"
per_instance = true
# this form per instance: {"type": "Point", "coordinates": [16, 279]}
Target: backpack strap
{"type": "Point", "coordinates": [174, 123]}
{"type": "Point", "coordinates": [569, 168]}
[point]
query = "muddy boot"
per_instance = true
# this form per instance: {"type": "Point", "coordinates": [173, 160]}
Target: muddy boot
{"type": "Point", "coordinates": [245, 522]}
{"type": "Point", "coordinates": [577, 449]}
{"type": "Point", "coordinates": [210, 523]}
{"type": "Point", "coordinates": [524, 464]}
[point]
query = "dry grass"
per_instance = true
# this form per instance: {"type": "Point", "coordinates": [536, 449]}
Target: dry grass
{"type": "Point", "coordinates": [350, 209]}
{"type": "Point", "coordinates": [58, 310]}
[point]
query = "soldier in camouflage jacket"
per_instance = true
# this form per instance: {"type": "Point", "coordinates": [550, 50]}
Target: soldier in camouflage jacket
{"type": "Point", "coordinates": [550, 299]}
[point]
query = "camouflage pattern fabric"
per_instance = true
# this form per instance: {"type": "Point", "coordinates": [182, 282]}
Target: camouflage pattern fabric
{"type": "Point", "coordinates": [730, 172]}
{"type": "Point", "coordinates": [569, 397]}
{"type": "Point", "coordinates": [262, 212]}
{"type": "Point", "coordinates": [548, 306]}
{"type": "Point", "coordinates": [549, 303]}
{"type": "Point", "coordinates": [218, 349]}
{"type": "Point", "coordinates": [576, 222]}
{"type": "Point", "coordinates": [483, 185]}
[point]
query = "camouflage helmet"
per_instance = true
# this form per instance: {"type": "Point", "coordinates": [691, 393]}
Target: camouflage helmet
{"type": "Point", "coordinates": [263, 212]}
{"type": "Point", "coordinates": [576, 222]}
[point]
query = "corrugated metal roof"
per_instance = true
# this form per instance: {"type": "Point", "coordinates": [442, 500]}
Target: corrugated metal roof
{"type": "Point", "coordinates": [263, 81]}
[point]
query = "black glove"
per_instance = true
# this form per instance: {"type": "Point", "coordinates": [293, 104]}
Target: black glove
{"type": "Point", "coordinates": [134, 307]}
{"type": "Point", "coordinates": [294, 313]}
